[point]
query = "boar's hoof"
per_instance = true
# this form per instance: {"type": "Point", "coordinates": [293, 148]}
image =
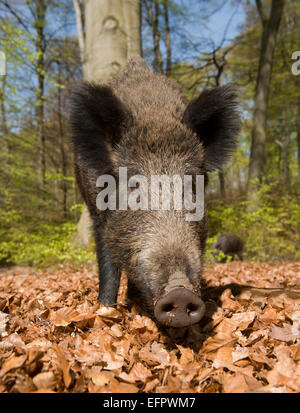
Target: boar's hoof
{"type": "Point", "coordinates": [179, 308]}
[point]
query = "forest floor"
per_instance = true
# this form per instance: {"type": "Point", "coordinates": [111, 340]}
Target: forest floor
{"type": "Point", "coordinates": [55, 337]}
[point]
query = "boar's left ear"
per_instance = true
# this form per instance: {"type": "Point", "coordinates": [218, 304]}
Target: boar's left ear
{"type": "Point", "coordinates": [96, 119]}
{"type": "Point", "coordinates": [214, 117]}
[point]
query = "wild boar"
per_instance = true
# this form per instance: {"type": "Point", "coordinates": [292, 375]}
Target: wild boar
{"type": "Point", "coordinates": [230, 245]}
{"type": "Point", "coordinates": [142, 121]}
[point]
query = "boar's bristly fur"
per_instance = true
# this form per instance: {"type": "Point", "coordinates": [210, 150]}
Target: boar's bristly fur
{"type": "Point", "coordinates": [141, 120]}
{"type": "Point", "coordinates": [230, 245]}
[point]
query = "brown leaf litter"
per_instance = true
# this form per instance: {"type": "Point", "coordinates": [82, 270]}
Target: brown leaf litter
{"type": "Point", "coordinates": [55, 337]}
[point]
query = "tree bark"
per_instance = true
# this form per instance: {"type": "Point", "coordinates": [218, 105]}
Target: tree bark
{"type": "Point", "coordinates": [4, 129]}
{"type": "Point", "coordinates": [158, 62]}
{"type": "Point", "coordinates": [109, 46]}
{"type": "Point", "coordinates": [298, 136]}
{"type": "Point", "coordinates": [153, 13]}
{"type": "Point", "coordinates": [61, 144]}
{"type": "Point", "coordinates": [222, 184]}
{"type": "Point", "coordinates": [167, 38]}
{"type": "Point", "coordinates": [285, 160]}
{"type": "Point", "coordinates": [220, 69]}
{"type": "Point", "coordinates": [112, 35]}
{"type": "Point", "coordinates": [132, 13]}
{"type": "Point", "coordinates": [78, 7]}
{"type": "Point", "coordinates": [40, 10]}
{"type": "Point", "coordinates": [270, 30]}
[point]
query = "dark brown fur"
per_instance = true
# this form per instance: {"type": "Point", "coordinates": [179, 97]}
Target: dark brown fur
{"type": "Point", "coordinates": [230, 245]}
{"type": "Point", "coordinates": [142, 121]}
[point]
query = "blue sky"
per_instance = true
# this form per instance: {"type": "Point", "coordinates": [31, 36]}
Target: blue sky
{"type": "Point", "coordinates": [193, 32]}
{"type": "Point", "coordinates": [218, 22]}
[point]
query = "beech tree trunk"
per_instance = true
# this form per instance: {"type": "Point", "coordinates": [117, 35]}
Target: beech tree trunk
{"type": "Point", "coordinates": [270, 29]}
{"type": "Point", "coordinates": [112, 35]}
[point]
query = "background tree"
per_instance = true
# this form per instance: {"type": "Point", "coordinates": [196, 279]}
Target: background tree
{"type": "Point", "coordinates": [270, 26]}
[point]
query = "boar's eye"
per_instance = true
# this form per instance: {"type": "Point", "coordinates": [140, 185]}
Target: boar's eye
{"type": "Point", "coordinates": [214, 117]}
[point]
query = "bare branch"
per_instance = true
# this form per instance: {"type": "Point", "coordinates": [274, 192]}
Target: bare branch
{"type": "Point", "coordinates": [15, 14]}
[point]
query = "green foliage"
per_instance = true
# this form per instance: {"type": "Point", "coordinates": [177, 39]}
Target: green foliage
{"type": "Point", "coordinates": [271, 231]}
{"type": "Point", "coordinates": [53, 176]}
{"type": "Point", "coordinates": [77, 207]}
{"type": "Point", "coordinates": [48, 244]}
{"type": "Point", "coordinates": [27, 240]}
{"type": "Point", "coordinates": [41, 245]}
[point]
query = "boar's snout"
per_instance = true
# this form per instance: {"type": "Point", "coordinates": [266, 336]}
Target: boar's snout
{"type": "Point", "coordinates": [179, 308]}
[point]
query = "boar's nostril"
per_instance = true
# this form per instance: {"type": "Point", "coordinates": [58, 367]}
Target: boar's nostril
{"type": "Point", "coordinates": [191, 307]}
{"type": "Point", "coordinates": [168, 307]}
{"type": "Point", "coordinates": [179, 308]}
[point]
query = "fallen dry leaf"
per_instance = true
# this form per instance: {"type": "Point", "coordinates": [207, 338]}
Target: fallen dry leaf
{"type": "Point", "coordinates": [138, 373]}
{"type": "Point", "coordinates": [242, 320]}
{"type": "Point", "coordinates": [12, 363]}
{"type": "Point", "coordinates": [44, 380]}
{"type": "Point", "coordinates": [235, 384]}
{"type": "Point", "coordinates": [109, 313]}
{"type": "Point", "coordinates": [102, 378]}
{"type": "Point", "coordinates": [296, 352]}
{"type": "Point", "coordinates": [88, 354]}
{"type": "Point", "coordinates": [64, 365]}
{"type": "Point", "coordinates": [63, 317]}
{"type": "Point", "coordinates": [3, 321]}
{"type": "Point", "coordinates": [284, 333]}
{"type": "Point", "coordinates": [154, 354]}
{"type": "Point", "coordinates": [240, 353]}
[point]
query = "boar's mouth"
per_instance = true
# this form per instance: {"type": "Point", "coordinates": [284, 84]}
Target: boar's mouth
{"type": "Point", "coordinates": [180, 307]}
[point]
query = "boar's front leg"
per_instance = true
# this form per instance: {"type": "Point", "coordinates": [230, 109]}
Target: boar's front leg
{"type": "Point", "coordinates": [109, 274]}
{"type": "Point", "coordinates": [240, 255]}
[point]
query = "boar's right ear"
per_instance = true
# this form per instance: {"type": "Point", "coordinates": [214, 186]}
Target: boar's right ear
{"type": "Point", "coordinates": [96, 118]}
{"type": "Point", "coordinates": [214, 117]}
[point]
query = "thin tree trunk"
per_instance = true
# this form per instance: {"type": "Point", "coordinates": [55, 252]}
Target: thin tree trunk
{"type": "Point", "coordinates": [61, 144]}
{"type": "Point", "coordinates": [153, 13]}
{"type": "Point", "coordinates": [220, 70]}
{"type": "Point", "coordinates": [222, 184]}
{"type": "Point", "coordinates": [158, 62]}
{"type": "Point", "coordinates": [298, 136]}
{"type": "Point", "coordinates": [270, 30]}
{"type": "Point", "coordinates": [167, 38]}
{"type": "Point", "coordinates": [4, 129]}
{"type": "Point", "coordinates": [40, 49]}
{"type": "Point", "coordinates": [41, 131]}
{"type": "Point", "coordinates": [285, 160]}
{"type": "Point", "coordinates": [140, 26]}
{"type": "Point", "coordinates": [4, 142]}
